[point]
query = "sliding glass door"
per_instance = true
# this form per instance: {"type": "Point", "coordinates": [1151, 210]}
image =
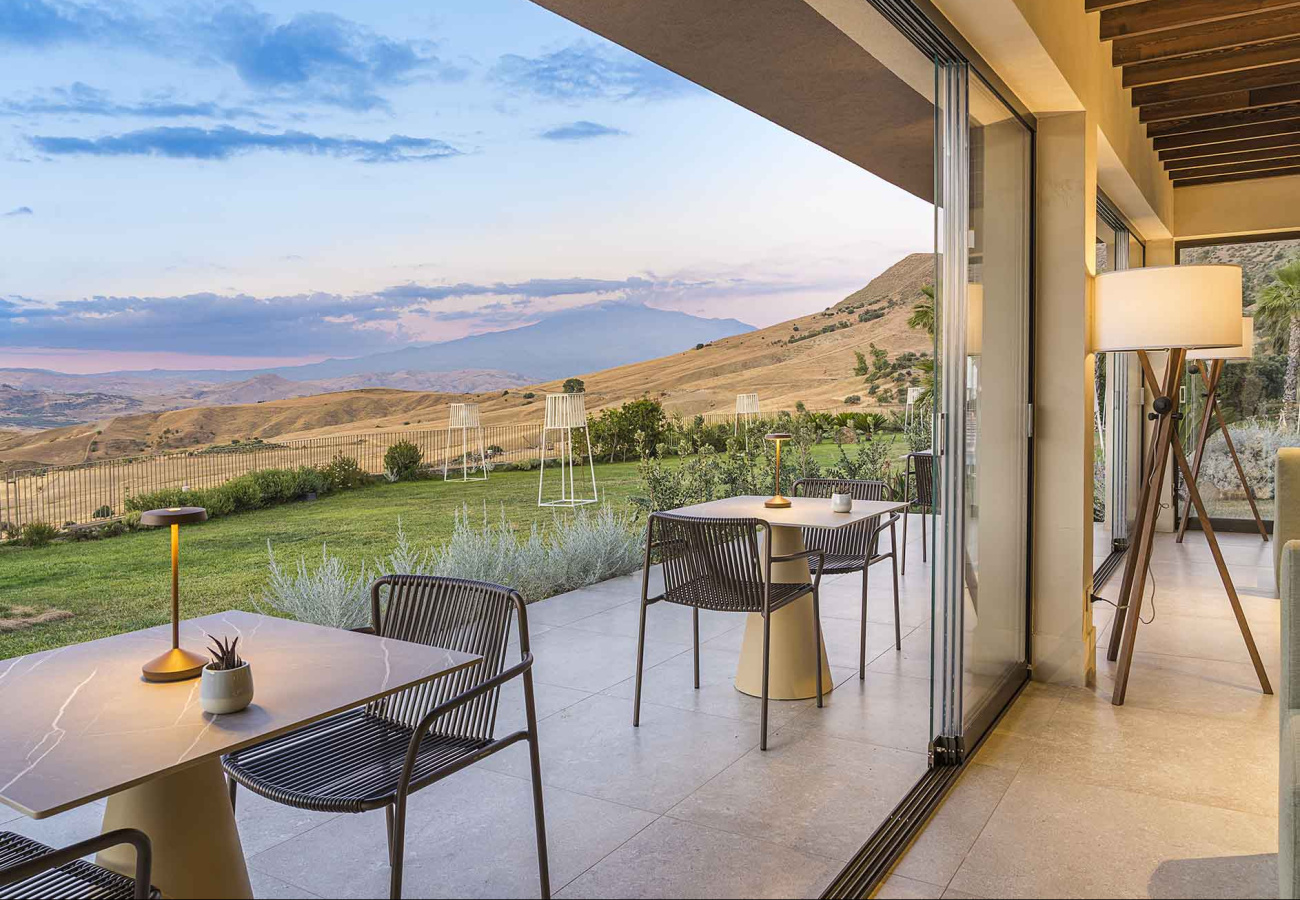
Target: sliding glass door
{"type": "Point", "coordinates": [981, 622]}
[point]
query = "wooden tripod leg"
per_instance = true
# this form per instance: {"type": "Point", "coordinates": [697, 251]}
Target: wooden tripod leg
{"type": "Point", "coordinates": [1223, 568]}
{"type": "Point", "coordinates": [1211, 379]}
{"type": "Point", "coordinates": [1130, 559]}
{"type": "Point", "coordinates": [1131, 599]}
{"type": "Point", "coordinates": [1241, 473]}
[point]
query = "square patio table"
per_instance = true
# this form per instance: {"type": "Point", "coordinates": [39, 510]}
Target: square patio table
{"type": "Point", "coordinates": [80, 723]}
{"type": "Point", "coordinates": [793, 673]}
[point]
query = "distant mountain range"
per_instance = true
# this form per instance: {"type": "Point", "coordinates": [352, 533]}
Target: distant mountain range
{"type": "Point", "coordinates": [580, 340]}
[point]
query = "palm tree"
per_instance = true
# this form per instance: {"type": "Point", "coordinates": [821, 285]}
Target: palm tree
{"type": "Point", "coordinates": [1278, 309]}
{"type": "Point", "coordinates": [922, 317]}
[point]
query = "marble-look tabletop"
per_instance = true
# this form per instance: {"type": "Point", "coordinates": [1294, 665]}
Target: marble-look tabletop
{"type": "Point", "coordinates": [79, 723]}
{"type": "Point", "coordinates": [804, 512]}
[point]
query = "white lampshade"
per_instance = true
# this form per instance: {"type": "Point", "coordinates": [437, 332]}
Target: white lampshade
{"type": "Point", "coordinates": [1185, 307]}
{"type": "Point", "coordinates": [974, 319]}
{"type": "Point", "coordinates": [1245, 351]}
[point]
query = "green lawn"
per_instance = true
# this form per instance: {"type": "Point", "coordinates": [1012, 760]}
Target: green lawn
{"type": "Point", "coordinates": [123, 583]}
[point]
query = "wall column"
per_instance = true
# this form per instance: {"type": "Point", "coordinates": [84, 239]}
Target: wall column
{"type": "Point", "coordinates": [1064, 637]}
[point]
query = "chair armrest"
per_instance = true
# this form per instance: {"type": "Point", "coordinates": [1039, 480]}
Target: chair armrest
{"type": "Point", "coordinates": [47, 861]}
{"type": "Point", "coordinates": [819, 555]}
{"type": "Point", "coordinates": [364, 629]}
{"type": "Point", "coordinates": [456, 702]}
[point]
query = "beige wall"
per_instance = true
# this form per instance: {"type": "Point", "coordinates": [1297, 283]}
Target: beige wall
{"type": "Point", "coordinates": [1063, 633]}
{"type": "Point", "coordinates": [1238, 207]}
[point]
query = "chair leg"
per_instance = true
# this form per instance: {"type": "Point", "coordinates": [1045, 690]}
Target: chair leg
{"type": "Point", "coordinates": [862, 640]}
{"type": "Point", "coordinates": [695, 628]}
{"type": "Point", "coordinates": [640, 656]}
{"type": "Point", "coordinates": [762, 715]}
{"type": "Point", "coordinates": [233, 786]}
{"type": "Point", "coordinates": [817, 642]}
{"type": "Point", "coordinates": [539, 814]}
{"type": "Point", "coordinates": [388, 825]}
{"type": "Point", "coordinates": [905, 518]}
{"type": "Point", "coordinates": [396, 848]}
{"type": "Point", "coordinates": [898, 618]}
{"type": "Point", "coordinates": [923, 559]}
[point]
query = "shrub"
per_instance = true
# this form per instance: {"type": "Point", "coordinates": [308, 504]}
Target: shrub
{"type": "Point", "coordinates": [343, 473]}
{"type": "Point", "coordinates": [403, 460]}
{"type": "Point", "coordinates": [529, 395]}
{"type": "Point", "coordinates": [919, 434]}
{"type": "Point", "coordinates": [574, 386]}
{"type": "Point", "coordinates": [631, 431]}
{"type": "Point", "coordinates": [852, 399]}
{"type": "Point", "coordinates": [37, 534]}
{"type": "Point", "coordinates": [104, 512]}
{"type": "Point", "coordinates": [253, 490]}
{"type": "Point", "coordinates": [326, 595]}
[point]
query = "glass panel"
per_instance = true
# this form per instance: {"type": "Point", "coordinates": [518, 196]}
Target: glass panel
{"type": "Point", "coordinates": [1252, 394]}
{"type": "Point", "coordinates": [994, 454]}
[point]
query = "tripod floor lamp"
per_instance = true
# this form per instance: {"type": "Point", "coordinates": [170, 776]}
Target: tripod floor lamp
{"type": "Point", "coordinates": [1173, 309]}
{"type": "Point", "coordinates": [1210, 363]}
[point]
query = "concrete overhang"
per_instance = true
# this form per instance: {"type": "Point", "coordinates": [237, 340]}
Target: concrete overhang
{"type": "Point", "coordinates": [788, 62]}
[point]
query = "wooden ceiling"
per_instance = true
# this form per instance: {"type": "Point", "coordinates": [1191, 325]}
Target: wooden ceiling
{"type": "Point", "coordinates": [1217, 82]}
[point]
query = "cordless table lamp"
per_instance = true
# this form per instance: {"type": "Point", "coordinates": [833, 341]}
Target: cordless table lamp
{"type": "Point", "coordinates": [1175, 309]}
{"type": "Point", "coordinates": [177, 664]}
{"type": "Point", "coordinates": [778, 502]}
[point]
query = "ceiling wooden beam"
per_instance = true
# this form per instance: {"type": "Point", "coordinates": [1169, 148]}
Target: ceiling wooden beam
{"type": "Point", "coordinates": [1237, 119]}
{"type": "Point", "coordinates": [1220, 136]}
{"type": "Point", "coordinates": [1098, 5]}
{"type": "Point", "coordinates": [1269, 25]}
{"type": "Point", "coordinates": [1241, 168]}
{"type": "Point", "coordinates": [1161, 15]}
{"type": "Point", "coordinates": [1203, 151]}
{"type": "Point", "coordinates": [1195, 177]}
{"type": "Point", "coordinates": [1216, 62]}
{"type": "Point", "coordinates": [1181, 165]}
{"type": "Point", "coordinates": [1219, 103]}
{"type": "Point", "coordinates": [1246, 80]}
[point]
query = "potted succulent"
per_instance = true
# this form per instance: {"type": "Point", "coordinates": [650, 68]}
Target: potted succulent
{"type": "Point", "coordinates": [226, 685]}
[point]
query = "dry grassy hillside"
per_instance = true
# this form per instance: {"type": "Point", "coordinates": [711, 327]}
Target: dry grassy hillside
{"type": "Point", "coordinates": [817, 370]}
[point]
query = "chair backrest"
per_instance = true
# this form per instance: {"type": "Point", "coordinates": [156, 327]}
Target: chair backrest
{"type": "Point", "coordinates": [851, 540]}
{"type": "Point", "coordinates": [923, 471]}
{"type": "Point", "coordinates": [710, 563]}
{"type": "Point", "coordinates": [455, 614]}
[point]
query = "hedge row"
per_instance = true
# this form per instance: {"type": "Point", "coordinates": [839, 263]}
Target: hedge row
{"type": "Point", "coordinates": [257, 489]}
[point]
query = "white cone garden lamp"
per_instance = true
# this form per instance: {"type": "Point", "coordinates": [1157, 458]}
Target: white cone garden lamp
{"type": "Point", "coordinates": [177, 664]}
{"type": "Point", "coordinates": [1178, 309]}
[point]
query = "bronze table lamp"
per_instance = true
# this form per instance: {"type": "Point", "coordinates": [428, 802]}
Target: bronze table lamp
{"type": "Point", "coordinates": [778, 502]}
{"type": "Point", "coordinates": [177, 664]}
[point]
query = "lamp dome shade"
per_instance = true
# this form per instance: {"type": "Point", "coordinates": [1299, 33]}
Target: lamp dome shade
{"type": "Point", "coordinates": [1185, 307]}
{"type": "Point", "coordinates": [175, 515]}
{"type": "Point", "coordinates": [1245, 351]}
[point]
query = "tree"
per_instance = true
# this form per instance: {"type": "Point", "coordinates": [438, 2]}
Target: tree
{"type": "Point", "coordinates": [922, 317]}
{"type": "Point", "coordinates": [1278, 309]}
{"type": "Point", "coordinates": [574, 386]}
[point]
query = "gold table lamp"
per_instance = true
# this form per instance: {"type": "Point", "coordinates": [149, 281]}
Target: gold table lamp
{"type": "Point", "coordinates": [177, 664]}
{"type": "Point", "coordinates": [778, 502]}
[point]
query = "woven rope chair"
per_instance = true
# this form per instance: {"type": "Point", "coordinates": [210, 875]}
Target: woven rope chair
{"type": "Point", "coordinates": [920, 486]}
{"type": "Point", "coordinates": [378, 754]}
{"type": "Point", "coordinates": [716, 564]}
{"type": "Point", "coordinates": [31, 869]}
{"type": "Point", "coordinates": [856, 547]}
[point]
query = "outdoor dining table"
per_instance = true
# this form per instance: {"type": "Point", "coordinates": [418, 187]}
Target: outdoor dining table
{"type": "Point", "coordinates": [79, 723]}
{"type": "Point", "coordinates": [793, 674]}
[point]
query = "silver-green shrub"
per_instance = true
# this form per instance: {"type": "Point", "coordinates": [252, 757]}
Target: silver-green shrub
{"type": "Point", "coordinates": [579, 549]}
{"type": "Point", "coordinates": [328, 594]}
{"type": "Point", "coordinates": [1257, 443]}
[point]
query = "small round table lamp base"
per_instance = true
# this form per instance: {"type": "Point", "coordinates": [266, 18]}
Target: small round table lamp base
{"type": "Point", "coordinates": [777, 502]}
{"type": "Point", "coordinates": [174, 665]}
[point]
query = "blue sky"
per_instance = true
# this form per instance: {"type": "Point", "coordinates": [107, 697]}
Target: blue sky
{"type": "Point", "coordinates": [232, 184]}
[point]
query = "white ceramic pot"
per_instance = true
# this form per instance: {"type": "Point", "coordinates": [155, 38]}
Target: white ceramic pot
{"type": "Point", "coordinates": [841, 503]}
{"type": "Point", "coordinates": [225, 691]}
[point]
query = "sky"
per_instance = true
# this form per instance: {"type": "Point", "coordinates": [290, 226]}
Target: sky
{"type": "Point", "coordinates": [234, 185]}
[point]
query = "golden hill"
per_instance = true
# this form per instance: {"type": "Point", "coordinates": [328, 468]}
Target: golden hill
{"type": "Point", "coordinates": [815, 368]}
